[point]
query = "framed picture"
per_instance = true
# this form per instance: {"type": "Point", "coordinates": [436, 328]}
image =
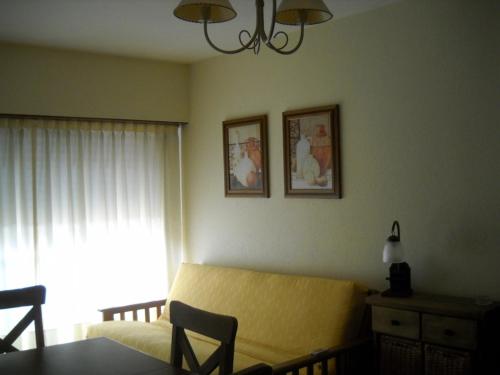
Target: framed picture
{"type": "Point", "coordinates": [245, 157]}
{"type": "Point", "coordinates": [312, 152]}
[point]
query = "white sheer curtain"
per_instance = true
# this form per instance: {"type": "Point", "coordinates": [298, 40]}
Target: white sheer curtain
{"type": "Point", "coordinates": [90, 210]}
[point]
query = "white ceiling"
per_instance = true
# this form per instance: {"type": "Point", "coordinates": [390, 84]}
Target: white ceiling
{"type": "Point", "coordinates": [139, 28]}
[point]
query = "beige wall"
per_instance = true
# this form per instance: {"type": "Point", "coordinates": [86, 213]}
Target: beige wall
{"type": "Point", "coordinates": [417, 83]}
{"type": "Point", "coordinates": [54, 82]}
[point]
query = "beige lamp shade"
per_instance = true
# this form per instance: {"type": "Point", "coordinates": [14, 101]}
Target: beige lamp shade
{"type": "Point", "coordinates": [213, 11]}
{"type": "Point", "coordinates": [294, 12]}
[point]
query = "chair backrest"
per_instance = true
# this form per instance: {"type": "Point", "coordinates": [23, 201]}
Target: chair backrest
{"type": "Point", "coordinates": [219, 327]}
{"type": "Point", "coordinates": [32, 296]}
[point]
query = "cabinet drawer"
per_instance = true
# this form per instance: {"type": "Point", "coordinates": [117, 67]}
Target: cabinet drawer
{"type": "Point", "coordinates": [396, 322]}
{"type": "Point", "coordinates": [460, 333]}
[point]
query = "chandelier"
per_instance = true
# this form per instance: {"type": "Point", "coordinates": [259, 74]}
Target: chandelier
{"type": "Point", "coordinates": [290, 12]}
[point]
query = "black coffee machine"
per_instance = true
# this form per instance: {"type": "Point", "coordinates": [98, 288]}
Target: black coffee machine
{"type": "Point", "coordinates": [400, 272]}
{"type": "Point", "coordinates": [400, 281]}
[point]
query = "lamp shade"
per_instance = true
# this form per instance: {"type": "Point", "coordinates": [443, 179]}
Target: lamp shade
{"type": "Point", "coordinates": [393, 251]}
{"type": "Point", "coordinates": [213, 11]}
{"type": "Point", "coordinates": [309, 12]}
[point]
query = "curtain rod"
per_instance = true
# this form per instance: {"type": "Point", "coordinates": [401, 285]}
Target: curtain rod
{"type": "Point", "coordinates": [102, 119]}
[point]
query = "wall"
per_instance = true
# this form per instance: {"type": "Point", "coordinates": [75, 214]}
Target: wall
{"type": "Point", "coordinates": [417, 82]}
{"type": "Point", "coordinates": [46, 81]}
{"type": "Point", "coordinates": [66, 83]}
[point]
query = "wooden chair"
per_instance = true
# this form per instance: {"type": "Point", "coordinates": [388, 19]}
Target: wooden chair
{"type": "Point", "coordinates": [219, 327]}
{"type": "Point", "coordinates": [32, 296]}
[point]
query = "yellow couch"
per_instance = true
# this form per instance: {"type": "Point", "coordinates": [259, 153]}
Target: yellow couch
{"type": "Point", "coordinates": [280, 317]}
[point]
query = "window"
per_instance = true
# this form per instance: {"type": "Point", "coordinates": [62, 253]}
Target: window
{"type": "Point", "coordinates": [91, 210]}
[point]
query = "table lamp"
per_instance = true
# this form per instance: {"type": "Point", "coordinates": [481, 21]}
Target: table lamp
{"type": "Point", "coordinates": [399, 272]}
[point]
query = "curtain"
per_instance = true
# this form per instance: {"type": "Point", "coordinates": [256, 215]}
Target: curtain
{"type": "Point", "coordinates": [91, 210]}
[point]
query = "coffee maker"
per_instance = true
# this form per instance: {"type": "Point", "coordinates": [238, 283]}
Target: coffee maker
{"type": "Point", "coordinates": [399, 272]}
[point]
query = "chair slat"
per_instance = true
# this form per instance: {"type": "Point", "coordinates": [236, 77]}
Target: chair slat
{"type": "Point", "coordinates": [211, 363]}
{"type": "Point", "coordinates": [6, 347]}
{"type": "Point", "coordinates": [39, 336]}
{"type": "Point", "coordinates": [20, 327]}
{"type": "Point", "coordinates": [188, 352]}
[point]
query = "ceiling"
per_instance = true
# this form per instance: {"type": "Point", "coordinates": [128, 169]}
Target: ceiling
{"type": "Point", "coordinates": [138, 28]}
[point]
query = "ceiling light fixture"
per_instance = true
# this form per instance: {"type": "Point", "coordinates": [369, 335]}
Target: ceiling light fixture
{"type": "Point", "coordinates": [290, 12]}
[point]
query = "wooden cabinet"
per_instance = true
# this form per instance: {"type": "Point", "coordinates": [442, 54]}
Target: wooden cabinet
{"type": "Point", "coordinates": [435, 335]}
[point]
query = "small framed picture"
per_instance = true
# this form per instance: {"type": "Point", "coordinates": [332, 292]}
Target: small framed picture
{"type": "Point", "coordinates": [245, 157]}
{"type": "Point", "coordinates": [312, 152]}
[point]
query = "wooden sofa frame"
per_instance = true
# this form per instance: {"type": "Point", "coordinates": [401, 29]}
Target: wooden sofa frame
{"type": "Point", "coordinates": [108, 314]}
{"type": "Point", "coordinates": [350, 359]}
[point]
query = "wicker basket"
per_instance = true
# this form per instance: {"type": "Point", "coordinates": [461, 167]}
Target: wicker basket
{"type": "Point", "coordinates": [445, 361]}
{"type": "Point", "coordinates": [400, 356]}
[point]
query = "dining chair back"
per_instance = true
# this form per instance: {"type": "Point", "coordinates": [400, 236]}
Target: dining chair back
{"type": "Point", "coordinates": [218, 327]}
{"type": "Point", "coordinates": [33, 296]}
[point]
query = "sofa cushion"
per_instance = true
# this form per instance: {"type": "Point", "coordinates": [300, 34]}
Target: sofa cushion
{"type": "Point", "coordinates": [154, 339]}
{"type": "Point", "coordinates": [279, 314]}
{"type": "Point", "coordinates": [151, 338]}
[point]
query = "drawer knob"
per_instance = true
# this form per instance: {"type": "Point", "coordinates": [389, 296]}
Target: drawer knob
{"type": "Point", "coordinates": [395, 322]}
{"type": "Point", "coordinates": [449, 332]}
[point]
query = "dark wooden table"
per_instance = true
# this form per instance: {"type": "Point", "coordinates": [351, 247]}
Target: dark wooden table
{"type": "Point", "coordinates": [99, 356]}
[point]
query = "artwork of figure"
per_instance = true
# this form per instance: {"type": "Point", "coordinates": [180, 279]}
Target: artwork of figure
{"type": "Point", "coordinates": [312, 152]}
{"type": "Point", "coordinates": [245, 156]}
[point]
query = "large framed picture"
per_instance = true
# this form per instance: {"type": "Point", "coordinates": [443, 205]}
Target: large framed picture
{"type": "Point", "coordinates": [245, 157]}
{"type": "Point", "coordinates": [312, 152]}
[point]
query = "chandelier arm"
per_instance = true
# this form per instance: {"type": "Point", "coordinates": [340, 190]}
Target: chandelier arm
{"type": "Point", "coordinates": [259, 24]}
{"type": "Point", "coordinates": [285, 35]}
{"type": "Point", "coordinates": [273, 21]}
{"type": "Point", "coordinates": [242, 32]}
{"type": "Point", "coordinates": [290, 51]}
{"type": "Point", "coordinates": [229, 52]}
{"type": "Point", "coordinates": [256, 46]}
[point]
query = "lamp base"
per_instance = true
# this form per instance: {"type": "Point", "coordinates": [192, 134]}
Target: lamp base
{"type": "Point", "coordinates": [400, 281]}
{"type": "Point", "coordinates": [397, 294]}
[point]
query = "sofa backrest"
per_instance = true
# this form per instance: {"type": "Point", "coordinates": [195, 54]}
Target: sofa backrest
{"type": "Point", "coordinates": [293, 314]}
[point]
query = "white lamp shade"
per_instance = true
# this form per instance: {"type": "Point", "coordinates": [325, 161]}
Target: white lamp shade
{"type": "Point", "coordinates": [393, 252]}
{"type": "Point", "coordinates": [213, 11]}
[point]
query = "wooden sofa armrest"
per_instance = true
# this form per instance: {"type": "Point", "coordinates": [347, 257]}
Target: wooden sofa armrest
{"type": "Point", "coordinates": [350, 359]}
{"type": "Point", "coordinates": [258, 369]}
{"type": "Point", "coordinates": [109, 313]}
